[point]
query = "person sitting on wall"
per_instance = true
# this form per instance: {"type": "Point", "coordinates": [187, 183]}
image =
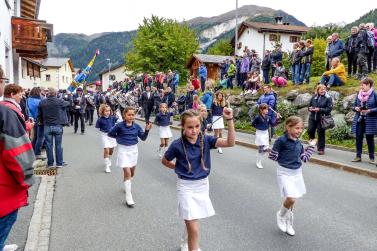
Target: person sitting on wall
{"type": "Point", "coordinates": [336, 76]}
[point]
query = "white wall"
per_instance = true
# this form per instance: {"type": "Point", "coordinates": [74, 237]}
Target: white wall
{"type": "Point", "coordinates": [26, 81]}
{"type": "Point", "coordinates": [6, 39]}
{"type": "Point", "coordinates": [60, 78]}
{"type": "Point", "coordinates": [261, 41]}
{"type": "Point", "coordinates": [119, 73]}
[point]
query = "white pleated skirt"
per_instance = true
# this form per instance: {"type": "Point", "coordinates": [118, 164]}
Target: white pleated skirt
{"type": "Point", "coordinates": [262, 138]}
{"type": "Point", "coordinates": [218, 122]}
{"type": "Point", "coordinates": [127, 156]}
{"type": "Point", "coordinates": [291, 182]}
{"type": "Point", "coordinates": [193, 199]}
{"type": "Point", "coordinates": [165, 132]}
{"type": "Point", "coordinates": [108, 142]}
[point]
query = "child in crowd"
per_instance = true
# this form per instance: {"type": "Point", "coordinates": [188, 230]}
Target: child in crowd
{"type": "Point", "coordinates": [193, 165]}
{"type": "Point", "coordinates": [262, 122]}
{"type": "Point", "coordinates": [280, 76]}
{"type": "Point", "coordinates": [253, 83]}
{"type": "Point", "coordinates": [217, 119]}
{"type": "Point", "coordinates": [105, 122]}
{"type": "Point", "coordinates": [126, 134]}
{"type": "Point", "coordinates": [203, 116]}
{"type": "Point", "coordinates": [196, 102]}
{"type": "Point", "coordinates": [288, 151]}
{"type": "Point", "coordinates": [163, 121]}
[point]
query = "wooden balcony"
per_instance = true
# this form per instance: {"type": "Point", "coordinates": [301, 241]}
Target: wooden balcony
{"type": "Point", "coordinates": [30, 37]}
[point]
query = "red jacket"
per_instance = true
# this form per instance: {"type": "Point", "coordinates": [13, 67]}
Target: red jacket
{"type": "Point", "coordinates": [195, 82]}
{"type": "Point", "coordinates": [28, 124]}
{"type": "Point", "coordinates": [16, 162]}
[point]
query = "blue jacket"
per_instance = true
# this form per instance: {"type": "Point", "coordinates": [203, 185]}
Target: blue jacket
{"type": "Point", "coordinates": [163, 119]}
{"type": "Point", "coordinates": [270, 100]}
{"type": "Point", "coordinates": [176, 79]}
{"type": "Point", "coordinates": [336, 49]}
{"type": "Point", "coordinates": [32, 106]}
{"type": "Point", "coordinates": [207, 99]}
{"type": "Point", "coordinates": [203, 72]}
{"type": "Point", "coordinates": [370, 118]}
{"type": "Point", "coordinates": [127, 135]}
{"type": "Point", "coordinates": [262, 123]}
{"type": "Point", "coordinates": [105, 124]}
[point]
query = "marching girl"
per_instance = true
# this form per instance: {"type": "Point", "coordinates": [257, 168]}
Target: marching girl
{"type": "Point", "coordinates": [163, 121]}
{"type": "Point", "coordinates": [126, 134]}
{"type": "Point", "coordinates": [203, 116]}
{"type": "Point", "coordinates": [289, 152]}
{"type": "Point", "coordinates": [261, 123]}
{"type": "Point", "coordinates": [105, 122]}
{"type": "Point", "coordinates": [193, 165]}
{"type": "Point", "coordinates": [217, 119]}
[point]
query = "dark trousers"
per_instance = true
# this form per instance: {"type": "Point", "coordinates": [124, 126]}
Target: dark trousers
{"type": "Point", "coordinates": [266, 77]}
{"type": "Point", "coordinates": [230, 82]}
{"type": "Point", "coordinates": [360, 131]}
{"type": "Point", "coordinates": [203, 84]}
{"type": "Point", "coordinates": [6, 224]}
{"type": "Point", "coordinates": [362, 64]}
{"type": "Point", "coordinates": [374, 59]}
{"type": "Point", "coordinates": [71, 117]}
{"type": "Point", "coordinates": [147, 112]}
{"type": "Point", "coordinates": [38, 138]}
{"type": "Point", "coordinates": [352, 63]}
{"type": "Point", "coordinates": [369, 59]}
{"type": "Point", "coordinates": [313, 126]}
{"type": "Point", "coordinates": [89, 115]}
{"type": "Point", "coordinates": [79, 116]}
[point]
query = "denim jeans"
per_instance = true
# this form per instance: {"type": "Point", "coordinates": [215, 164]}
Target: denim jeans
{"type": "Point", "coordinates": [332, 80]}
{"type": "Point", "coordinates": [6, 224]}
{"type": "Point", "coordinates": [296, 74]}
{"type": "Point", "coordinates": [360, 131]}
{"type": "Point", "coordinates": [38, 138]}
{"type": "Point", "coordinates": [266, 77]}
{"type": "Point", "coordinates": [54, 133]}
{"type": "Point", "coordinates": [230, 82]}
{"type": "Point", "coordinates": [305, 73]}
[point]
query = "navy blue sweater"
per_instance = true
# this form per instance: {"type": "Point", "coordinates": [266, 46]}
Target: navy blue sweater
{"type": "Point", "coordinates": [262, 123]}
{"type": "Point", "coordinates": [217, 110]}
{"type": "Point", "coordinates": [163, 119]}
{"type": "Point", "coordinates": [105, 124]}
{"type": "Point", "coordinates": [127, 135]}
{"type": "Point", "coordinates": [289, 153]}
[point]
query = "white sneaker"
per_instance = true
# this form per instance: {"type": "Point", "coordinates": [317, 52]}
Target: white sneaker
{"type": "Point", "coordinates": [290, 230]}
{"type": "Point", "coordinates": [107, 169]}
{"type": "Point", "coordinates": [281, 221]}
{"type": "Point", "coordinates": [259, 164]}
{"type": "Point", "coordinates": [129, 200]}
{"type": "Point", "coordinates": [219, 150]}
{"type": "Point", "coordinates": [159, 151]}
{"type": "Point", "coordinates": [254, 92]}
{"type": "Point", "coordinates": [184, 246]}
{"type": "Point", "coordinates": [10, 247]}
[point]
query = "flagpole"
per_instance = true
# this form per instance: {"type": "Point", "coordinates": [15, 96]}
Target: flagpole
{"type": "Point", "coordinates": [236, 31]}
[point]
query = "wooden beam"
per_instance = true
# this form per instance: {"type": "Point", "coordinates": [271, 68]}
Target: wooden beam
{"type": "Point", "coordinates": [29, 3]}
{"type": "Point", "coordinates": [28, 8]}
{"type": "Point", "coordinates": [27, 14]}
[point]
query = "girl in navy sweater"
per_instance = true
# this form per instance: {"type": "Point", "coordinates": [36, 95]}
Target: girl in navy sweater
{"type": "Point", "coordinates": [126, 134]}
{"type": "Point", "coordinates": [288, 151]}
{"type": "Point", "coordinates": [217, 119]}
{"type": "Point", "coordinates": [163, 121]}
{"type": "Point", "coordinates": [105, 122]}
{"type": "Point", "coordinates": [262, 122]}
{"type": "Point", "coordinates": [193, 165]}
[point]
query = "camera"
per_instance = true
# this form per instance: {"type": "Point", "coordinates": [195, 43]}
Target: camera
{"type": "Point", "coordinates": [362, 108]}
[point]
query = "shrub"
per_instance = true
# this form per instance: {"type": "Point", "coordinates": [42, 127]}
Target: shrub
{"type": "Point", "coordinates": [286, 109]}
{"type": "Point", "coordinates": [340, 132]}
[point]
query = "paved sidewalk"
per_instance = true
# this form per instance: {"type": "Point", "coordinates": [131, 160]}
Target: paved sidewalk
{"type": "Point", "coordinates": [334, 158]}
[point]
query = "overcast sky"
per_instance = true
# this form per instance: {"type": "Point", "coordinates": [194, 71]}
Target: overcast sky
{"type": "Point", "coordinates": [88, 16]}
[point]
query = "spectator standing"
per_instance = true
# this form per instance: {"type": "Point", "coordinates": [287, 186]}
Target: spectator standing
{"type": "Point", "coordinates": [231, 73]}
{"type": "Point", "coordinates": [190, 96]}
{"type": "Point", "coordinates": [52, 115]}
{"type": "Point", "coordinates": [79, 105]}
{"type": "Point", "coordinates": [276, 56]}
{"type": "Point", "coordinates": [320, 105]}
{"type": "Point", "coordinates": [32, 103]}
{"type": "Point", "coordinates": [351, 50]}
{"type": "Point", "coordinates": [244, 68]}
{"type": "Point", "coordinates": [371, 45]}
{"type": "Point", "coordinates": [266, 65]}
{"type": "Point", "coordinates": [295, 61]}
{"type": "Point", "coordinates": [147, 102]}
{"type": "Point", "coordinates": [327, 55]}
{"type": "Point", "coordinates": [362, 52]}
{"type": "Point", "coordinates": [336, 47]}
{"type": "Point", "coordinates": [203, 76]}
{"type": "Point", "coordinates": [307, 62]}
{"type": "Point", "coordinates": [374, 61]}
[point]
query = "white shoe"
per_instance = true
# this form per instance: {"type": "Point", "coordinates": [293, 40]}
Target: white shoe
{"type": "Point", "coordinates": [129, 200]}
{"type": "Point", "coordinates": [107, 169]}
{"type": "Point", "coordinates": [254, 92]}
{"type": "Point", "coordinates": [219, 150]}
{"type": "Point", "coordinates": [10, 247]}
{"type": "Point", "coordinates": [259, 164]}
{"type": "Point", "coordinates": [281, 221]}
{"type": "Point", "coordinates": [184, 246]}
{"type": "Point", "coordinates": [290, 230]}
{"type": "Point", "coordinates": [159, 151]}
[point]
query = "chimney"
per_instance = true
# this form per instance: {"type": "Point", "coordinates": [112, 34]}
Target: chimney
{"type": "Point", "coordinates": [279, 20]}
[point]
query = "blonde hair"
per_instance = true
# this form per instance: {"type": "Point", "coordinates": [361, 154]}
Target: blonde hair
{"type": "Point", "coordinates": [319, 87]}
{"type": "Point", "coordinates": [216, 99]}
{"type": "Point", "coordinates": [102, 109]}
{"type": "Point", "coordinates": [292, 121]}
{"type": "Point", "coordinates": [184, 116]}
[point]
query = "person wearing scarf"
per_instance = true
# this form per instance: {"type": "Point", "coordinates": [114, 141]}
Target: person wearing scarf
{"type": "Point", "coordinates": [365, 120]}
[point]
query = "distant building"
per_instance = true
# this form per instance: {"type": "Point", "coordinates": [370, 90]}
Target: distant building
{"type": "Point", "coordinates": [212, 62]}
{"type": "Point", "coordinates": [30, 73]}
{"type": "Point", "coordinates": [263, 36]}
{"type": "Point", "coordinates": [59, 72]}
{"type": "Point", "coordinates": [117, 73]}
{"type": "Point", "coordinates": [23, 38]}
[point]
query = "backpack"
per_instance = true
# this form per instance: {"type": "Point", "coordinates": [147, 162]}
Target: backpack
{"type": "Point", "coordinates": [371, 41]}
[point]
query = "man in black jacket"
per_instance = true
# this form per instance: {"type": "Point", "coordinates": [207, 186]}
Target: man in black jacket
{"type": "Point", "coordinates": [351, 50]}
{"type": "Point", "coordinates": [362, 52]}
{"type": "Point", "coordinates": [52, 114]}
{"type": "Point", "coordinates": [147, 102]}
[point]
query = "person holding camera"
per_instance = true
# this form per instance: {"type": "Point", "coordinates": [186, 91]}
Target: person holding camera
{"type": "Point", "coordinates": [365, 120]}
{"type": "Point", "coordinates": [320, 105]}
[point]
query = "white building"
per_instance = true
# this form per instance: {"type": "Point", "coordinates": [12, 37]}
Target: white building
{"type": "Point", "coordinates": [263, 36]}
{"type": "Point", "coordinates": [58, 74]}
{"type": "Point", "coordinates": [22, 36]}
{"type": "Point", "coordinates": [116, 73]}
{"type": "Point", "coordinates": [30, 73]}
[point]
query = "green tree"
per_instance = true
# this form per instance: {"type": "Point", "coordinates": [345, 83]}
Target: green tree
{"type": "Point", "coordinates": [161, 44]}
{"type": "Point", "coordinates": [319, 57]}
{"type": "Point", "coordinates": [221, 47]}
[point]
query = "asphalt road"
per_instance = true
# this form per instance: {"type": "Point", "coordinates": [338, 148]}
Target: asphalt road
{"type": "Point", "coordinates": [338, 213]}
